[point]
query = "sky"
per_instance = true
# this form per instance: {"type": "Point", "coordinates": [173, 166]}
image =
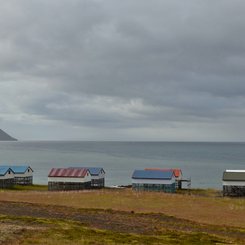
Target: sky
{"type": "Point", "coordinates": [159, 70]}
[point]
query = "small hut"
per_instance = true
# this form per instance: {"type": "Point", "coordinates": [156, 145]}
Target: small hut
{"type": "Point", "coordinates": [6, 177]}
{"type": "Point", "coordinates": [234, 183]}
{"type": "Point", "coordinates": [69, 179]}
{"type": "Point", "coordinates": [23, 175]}
{"type": "Point", "coordinates": [177, 174]}
{"type": "Point", "coordinates": [153, 180]}
{"type": "Point", "coordinates": [97, 177]}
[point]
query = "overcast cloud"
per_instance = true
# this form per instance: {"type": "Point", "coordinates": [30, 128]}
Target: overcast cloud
{"type": "Point", "coordinates": [123, 70]}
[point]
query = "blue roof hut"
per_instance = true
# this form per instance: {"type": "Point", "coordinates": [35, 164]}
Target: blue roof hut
{"type": "Point", "coordinates": [153, 180]}
{"type": "Point", "coordinates": [23, 175]}
{"type": "Point", "coordinates": [6, 177]}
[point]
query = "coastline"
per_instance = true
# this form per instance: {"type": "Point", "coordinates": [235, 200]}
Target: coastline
{"type": "Point", "coordinates": [204, 163]}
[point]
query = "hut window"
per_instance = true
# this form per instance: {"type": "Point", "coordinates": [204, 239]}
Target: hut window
{"type": "Point", "coordinates": [28, 170]}
{"type": "Point", "coordinates": [9, 172]}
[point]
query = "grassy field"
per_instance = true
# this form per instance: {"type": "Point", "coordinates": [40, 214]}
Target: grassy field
{"type": "Point", "coordinates": [119, 216]}
{"type": "Point", "coordinates": [57, 231]}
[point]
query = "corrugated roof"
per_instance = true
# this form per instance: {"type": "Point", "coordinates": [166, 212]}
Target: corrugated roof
{"type": "Point", "coordinates": [92, 170]}
{"type": "Point", "coordinates": [19, 169]}
{"type": "Point", "coordinates": [68, 172]}
{"type": "Point", "coordinates": [152, 174]}
{"type": "Point", "coordinates": [4, 170]}
{"type": "Point", "coordinates": [177, 171]}
{"type": "Point", "coordinates": [234, 176]}
{"type": "Point", "coordinates": [95, 170]}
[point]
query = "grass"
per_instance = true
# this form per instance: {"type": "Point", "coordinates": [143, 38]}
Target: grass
{"type": "Point", "coordinates": [196, 217]}
{"type": "Point", "coordinates": [51, 231]}
{"type": "Point", "coordinates": [28, 188]}
{"type": "Point", "coordinates": [200, 208]}
{"type": "Point", "coordinates": [201, 192]}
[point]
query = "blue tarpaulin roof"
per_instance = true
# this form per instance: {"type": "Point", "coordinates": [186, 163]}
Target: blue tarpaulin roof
{"type": "Point", "coordinates": [152, 174]}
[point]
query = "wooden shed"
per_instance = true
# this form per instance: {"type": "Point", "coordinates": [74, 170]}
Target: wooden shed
{"type": "Point", "coordinates": [69, 179]}
{"type": "Point", "coordinates": [234, 183]}
{"type": "Point", "coordinates": [23, 175]}
{"type": "Point", "coordinates": [6, 177]}
{"type": "Point", "coordinates": [153, 180]}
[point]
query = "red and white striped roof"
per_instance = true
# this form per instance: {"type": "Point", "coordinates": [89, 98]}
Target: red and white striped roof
{"type": "Point", "coordinates": [68, 172]}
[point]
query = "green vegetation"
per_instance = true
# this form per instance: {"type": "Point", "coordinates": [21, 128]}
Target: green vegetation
{"type": "Point", "coordinates": [33, 215]}
{"type": "Point", "coordinates": [53, 231]}
{"type": "Point", "coordinates": [199, 208]}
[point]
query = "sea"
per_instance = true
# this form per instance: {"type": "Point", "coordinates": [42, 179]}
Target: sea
{"type": "Point", "coordinates": [202, 162]}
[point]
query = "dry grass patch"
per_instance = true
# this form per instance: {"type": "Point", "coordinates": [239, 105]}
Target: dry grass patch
{"type": "Point", "coordinates": [203, 209]}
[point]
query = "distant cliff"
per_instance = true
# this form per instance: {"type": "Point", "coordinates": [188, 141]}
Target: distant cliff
{"type": "Point", "coordinates": [5, 137]}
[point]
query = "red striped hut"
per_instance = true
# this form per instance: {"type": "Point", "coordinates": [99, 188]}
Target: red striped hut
{"type": "Point", "coordinates": [69, 179]}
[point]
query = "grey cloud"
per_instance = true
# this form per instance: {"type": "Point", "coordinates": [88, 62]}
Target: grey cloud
{"type": "Point", "coordinates": [177, 61]}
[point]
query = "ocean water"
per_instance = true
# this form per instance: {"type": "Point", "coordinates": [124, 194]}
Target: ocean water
{"type": "Point", "coordinates": [203, 162]}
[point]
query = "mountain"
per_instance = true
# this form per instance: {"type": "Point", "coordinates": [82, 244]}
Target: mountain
{"type": "Point", "coordinates": [5, 137]}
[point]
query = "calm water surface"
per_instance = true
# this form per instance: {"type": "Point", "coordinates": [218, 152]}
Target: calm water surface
{"type": "Point", "coordinates": [203, 162]}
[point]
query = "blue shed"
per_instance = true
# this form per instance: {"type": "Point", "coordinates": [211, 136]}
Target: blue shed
{"type": "Point", "coordinates": [6, 177]}
{"type": "Point", "coordinates": [153, 180]}
{"type": "Point", "coordinates": [23, 174]}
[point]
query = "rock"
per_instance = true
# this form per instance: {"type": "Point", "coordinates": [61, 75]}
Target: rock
{"type": "Point", "coordinates": [5, 137]}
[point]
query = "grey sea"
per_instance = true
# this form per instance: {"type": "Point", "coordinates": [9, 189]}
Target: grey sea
{"type": "Point", "coordinates": [203, 162]}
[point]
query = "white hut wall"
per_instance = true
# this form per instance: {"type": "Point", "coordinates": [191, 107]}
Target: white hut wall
{"type": "Point", "coordinates": [234, 188]}
{"type": "Point", "coordinates": [23, 179]}
{"type": "Point", "coordinates": [62, 184]}
{"type": "Point", "coordinates": [98, 181]}
{"type": "Point", "coordinates": [7, 180]}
